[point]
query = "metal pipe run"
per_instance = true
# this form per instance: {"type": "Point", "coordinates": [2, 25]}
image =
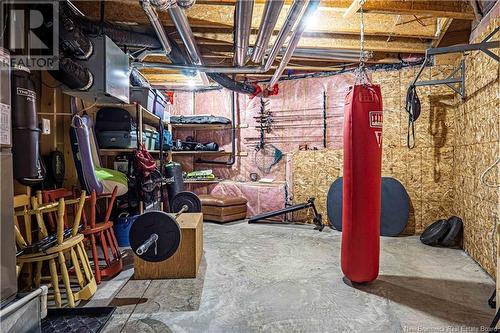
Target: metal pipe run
{"type": "Point", "coordinates": [181, 23]}
{"type": "Point", "coordinates": [242, 25]}
{"type": "Point", "coordinates": [157, 26]}
{"type": "Point", "coordinates": [186, 33]}
{"type": "Point", "coordinates": [294, 41]}
{"type": "Point", "coordinates": [269, 19]}
{"type": "Point", "coordinates": [291, 19]}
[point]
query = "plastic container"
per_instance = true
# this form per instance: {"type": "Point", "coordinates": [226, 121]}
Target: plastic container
{"type": "Point", "coordinates": [122, 228]}
{"type": "Point", "coordinates": [151, 99]}
{"type": "Point", "coordinates": [118, 139]}
{"type": "Point", "coordinates": [150, 138]}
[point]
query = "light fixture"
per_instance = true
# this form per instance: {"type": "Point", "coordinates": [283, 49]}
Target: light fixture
{"type": "Point", "coordinates": [311, 22]}
{"type": "Point", "coordinates": [191, 83]}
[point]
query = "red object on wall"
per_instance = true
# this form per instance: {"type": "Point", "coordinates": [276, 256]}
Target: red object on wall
{"type": "Point", "coordinates": [170, 95]}
{"type": "Point", "coordinates": [362, 183]}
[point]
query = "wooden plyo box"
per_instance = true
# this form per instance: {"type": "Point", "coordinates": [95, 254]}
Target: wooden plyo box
{"type": "Point", "coordinates": [185, 262]}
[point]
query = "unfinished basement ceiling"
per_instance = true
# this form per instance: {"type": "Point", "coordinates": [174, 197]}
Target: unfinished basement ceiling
{"type": "Point", "coordinates": [394, 30]}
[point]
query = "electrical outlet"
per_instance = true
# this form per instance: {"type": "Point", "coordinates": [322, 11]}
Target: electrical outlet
{"type": "Point", "coordinates": [45, 126]}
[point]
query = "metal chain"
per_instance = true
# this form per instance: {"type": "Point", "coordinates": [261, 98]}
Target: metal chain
{"type": "Point", "coordinates": [361, 75]}
{"type": "Point", "coordinates": [362, 57]}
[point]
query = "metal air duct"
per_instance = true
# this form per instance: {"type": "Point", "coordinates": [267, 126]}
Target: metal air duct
{"type": "Point", "coordinates": [270, 16]}
{"type": "Point", "coordinates": [242, 25]}
{"type": "Point", "coordinates": [294, 41]}
{"type": "Point", "coordinates": [157, 26]}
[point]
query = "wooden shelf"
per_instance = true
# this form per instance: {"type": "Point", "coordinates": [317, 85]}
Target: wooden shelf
{"type": "Point", "coordinates": [116, 151]}
{"type": "Point", "coordinates": [199, 152]}
{"type": "Point", "coordinates": [192, 181]}
{"type": "Point", "coordinates": [147, 116]}
{"type": "Point", "coordinates": [207, 127]}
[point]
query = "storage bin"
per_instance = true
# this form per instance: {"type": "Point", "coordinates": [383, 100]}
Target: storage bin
{"type": "Point", "coordinates": [118, 139]}
{"type": "Point", "coordinates": [151, 99]}
{"type": "Point", "coordinates": [150, 138]}
{"type": "Point", "coordinates": [122, 227]}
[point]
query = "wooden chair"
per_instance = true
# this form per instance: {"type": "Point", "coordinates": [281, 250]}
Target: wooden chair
{"type": "Point", "coordinates": [62, 255]}
{"type": "Point", "coordinates": [53, 196]}
{"type": "Point", "coordinates": [23, 201]}
{"type": "Point", "coordinates": [100, 236]}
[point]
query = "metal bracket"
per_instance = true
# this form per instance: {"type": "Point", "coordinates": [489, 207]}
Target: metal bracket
{"type": "Point", "coordinates": [485, 45]}
{"type": "Point", "coordinates": [450, 80]}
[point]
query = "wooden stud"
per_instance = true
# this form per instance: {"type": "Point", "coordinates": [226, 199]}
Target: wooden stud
{"type": "Point", "coordinates": [352, 9]}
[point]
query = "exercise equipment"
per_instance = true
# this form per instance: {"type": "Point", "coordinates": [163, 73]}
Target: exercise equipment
{"type": "Point", "coordinates": [155, 236]}
{"type": "Point", "coordinates": [454, 236]}
{"type": "Point", "coordinates": [174, 170]}
{"type": "Point", "coordinates": [412, 107]}
{"type": "Point", "coordinates": [317, 219]}
{"type": "Point", "coordinates": [361, 188]}
{"type": "Point", "coordinates": [435, 232]}
{"type": "Point", "coordinates": [28, 167]}
{"type": "Point", "coordinates": [395, 206]}
{"type": "Point", "coordinates": [445, 233]}
{"type": "Point", "coordinates": [186, 198]}
{"type": "Point", "coordinates": [362, 183]}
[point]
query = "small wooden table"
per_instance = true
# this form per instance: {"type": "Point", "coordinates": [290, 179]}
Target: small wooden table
{"type": "Point", "coordinates": [185, 262]}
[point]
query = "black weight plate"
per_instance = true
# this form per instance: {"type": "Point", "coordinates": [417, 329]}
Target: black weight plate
{"type": "Point", "coordinates": [394, 212]}
{"type": "Point", "coordinates": [186, 198]}
{"type": "Point", "coordinates": [162, 224]}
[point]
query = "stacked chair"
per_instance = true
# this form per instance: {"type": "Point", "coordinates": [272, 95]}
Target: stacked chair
{"type": "Point", "coordinates": [99, 236]}
{"type": "Point", "coordinates": [60, 254]}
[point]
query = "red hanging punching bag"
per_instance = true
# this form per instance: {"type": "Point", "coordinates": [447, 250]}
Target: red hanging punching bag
{"type": "Point", "coordinates": [362, 183]}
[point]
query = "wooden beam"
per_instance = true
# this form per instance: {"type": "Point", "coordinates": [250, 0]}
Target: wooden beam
{"type": "Point", "coordinates": [325, 20]}
{"type": "Point", "coordinates": [441, 29]}
{"type": "Point", "coordinates": [454, 8]}
{"type": "Point", "coordinates": [331, 41]}
{"type": "Point", "coordinates": [352, 9]}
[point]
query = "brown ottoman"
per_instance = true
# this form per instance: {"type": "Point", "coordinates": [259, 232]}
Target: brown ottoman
{"type": "Point", "coordinates": [223, 209]}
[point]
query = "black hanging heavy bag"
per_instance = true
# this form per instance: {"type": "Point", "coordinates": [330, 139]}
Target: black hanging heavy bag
{"type": "Point", "coordinates": [413, 108]}
{"type": "Point", "coordinates": [27, 162]}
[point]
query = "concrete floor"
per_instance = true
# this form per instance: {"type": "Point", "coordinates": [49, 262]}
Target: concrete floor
{"type": "Point", "coordinates": [262, 278]}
